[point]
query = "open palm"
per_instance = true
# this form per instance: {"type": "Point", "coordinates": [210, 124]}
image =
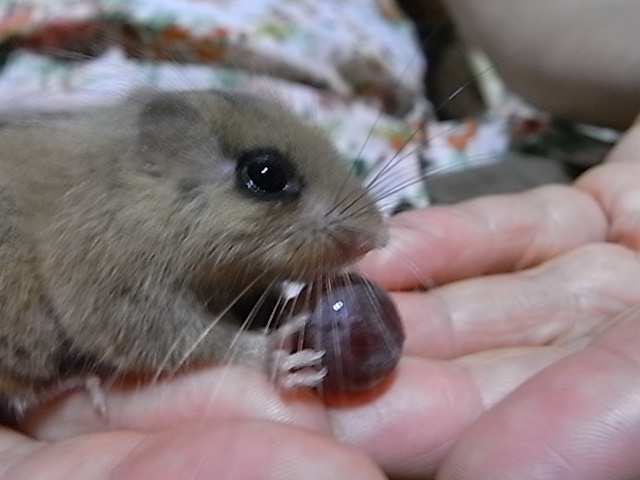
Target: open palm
{"type": "Point", "coordinates": [523, 363]}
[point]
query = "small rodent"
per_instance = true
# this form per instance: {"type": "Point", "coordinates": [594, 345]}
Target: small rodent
{"type": "Point", "coordinates": [127, 232]}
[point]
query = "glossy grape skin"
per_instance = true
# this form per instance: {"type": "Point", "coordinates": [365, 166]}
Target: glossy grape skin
{"type": "Point", "coordinates": [357, 325]}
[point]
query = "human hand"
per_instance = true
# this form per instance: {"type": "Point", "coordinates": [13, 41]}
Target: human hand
{"type": "Point", "coordinates": [526, 373]}
{"type": "Point", "coordinates": [220, 423]}
{"type": "Point", "coordinates": [542, 377]}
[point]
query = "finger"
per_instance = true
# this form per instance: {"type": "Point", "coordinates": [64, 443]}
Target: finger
{"type": "Point", "coordinates": [559, 301]}
{"type": "Point", "coordinates": [616, 186]}
{"type": "Point", "coordinates": [626, 150]}
{"type": "Point", "coordinates": [484, 235]}
{"type": "Point", "coordinates": [247, 450]}
{"type": "Point", "coordinates": [428, 404]}
{"type": "Point", "coordinates": [410, 429]}
{"type": "Point", "coordinates": [211, 393]}
{"type": "Point", "coordinates": [579, 419]}
{"type": "Point", "coordinates": [232, 449]}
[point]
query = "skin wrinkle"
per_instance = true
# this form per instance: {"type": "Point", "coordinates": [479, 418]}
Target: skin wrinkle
{"type": "Point", "coordinates": [88, 457]}
{"type": "Point", "coordinates": [591, 293]}
{"type": "Point", "coordinates": [564, 459]}
{"type": "Point", "coordinates": [585, 390]}
{"type": "Point", "coordinates": [511, 236]}
{"type": "Point", "coordinates": [610, 414]}
{"type": "Point", "coordinates": [131, 459]}
{"type": "Point", "coordinates": [548, 334]}
{"type": "Point", "coordinates": [613, 189]}
{"type": "Point", "coordinates": [583, 184]}
{"type": "Point", "coordinates": [13, 455]}
{"type": "Point", "coordinates": [449, 322]}
{"type": "Point", "coordinates": [548, 198]}
{"type": "Point", "coordinates": [558, 306]}
{"type": "Point", "coordinates": [603, 255]}
{"type": "Point", "coordinates": [129, 456]}
{"type": "Point", "coordinates": [484, 226]}
{"type": "Point", "coordinates": [480, 400]}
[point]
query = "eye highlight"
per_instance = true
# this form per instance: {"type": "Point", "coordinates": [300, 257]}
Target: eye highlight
{"type": "Point", "coordinates": [268, 174]}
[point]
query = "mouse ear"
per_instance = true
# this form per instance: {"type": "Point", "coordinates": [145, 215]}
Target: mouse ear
{"type": "Point", "coordinates": [167, 125]}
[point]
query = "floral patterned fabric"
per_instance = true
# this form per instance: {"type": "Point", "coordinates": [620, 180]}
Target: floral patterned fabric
{"type": "Point", "coordinates": [352, 67]}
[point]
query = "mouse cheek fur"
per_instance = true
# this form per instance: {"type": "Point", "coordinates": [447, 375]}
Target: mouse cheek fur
{"type": "Point", "coordinates": [322, 238]}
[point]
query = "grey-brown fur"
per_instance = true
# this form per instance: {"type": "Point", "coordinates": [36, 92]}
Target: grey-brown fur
{"type": "Point", "coordinates": [118, 225]}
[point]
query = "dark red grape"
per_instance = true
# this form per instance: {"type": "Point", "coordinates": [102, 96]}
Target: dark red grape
{"type": "Point", "coordinates": [357, 325]}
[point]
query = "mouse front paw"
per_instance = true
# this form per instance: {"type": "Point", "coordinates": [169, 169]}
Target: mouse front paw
{"type": "Point", "coordinates": [295, 369]}
{"type": "Point", "coordinates": [298, 370]}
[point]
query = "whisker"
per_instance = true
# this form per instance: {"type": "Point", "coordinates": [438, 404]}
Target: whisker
{"type": "Point", "coordinates": [246, 323]}
{"type": "Point", "coordinates": [400, 155]}
{"type": "Point", "coordinates": [394, 189]}
{"type": "Point", "coordinates": [208, 328]}
{"type": "Point", "coordinates": [376, 121]}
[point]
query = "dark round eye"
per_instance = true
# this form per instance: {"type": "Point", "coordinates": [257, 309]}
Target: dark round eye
{"type": "Point", "coordinates": [268, 174]}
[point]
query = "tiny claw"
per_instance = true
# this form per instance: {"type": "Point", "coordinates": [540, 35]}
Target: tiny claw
{"type": "Point", "coordinates": [303, 359]}
{"type": "Point", "coordinates": [300, 369]}
{"type": "Point", "coordinates": [301, 379]}
{"type": "Point", "coordinates": [93, 386]}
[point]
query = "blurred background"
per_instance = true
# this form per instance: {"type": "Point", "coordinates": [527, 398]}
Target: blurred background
{"type": "Point", "coordinates": [423, 78]}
